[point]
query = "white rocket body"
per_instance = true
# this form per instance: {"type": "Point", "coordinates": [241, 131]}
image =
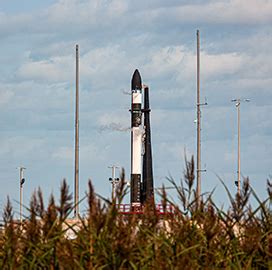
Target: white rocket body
{"type": "Point", "coordinates": [136, 138]}
{"type": "Point", "coordinates": [136, 133]}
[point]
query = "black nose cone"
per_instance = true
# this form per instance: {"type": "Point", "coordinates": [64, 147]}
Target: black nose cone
{"type": "Point", "coordinates": [136, 82]}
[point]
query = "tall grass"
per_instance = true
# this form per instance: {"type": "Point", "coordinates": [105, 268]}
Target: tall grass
{"type": "Point", "coordinates": [195, 236]}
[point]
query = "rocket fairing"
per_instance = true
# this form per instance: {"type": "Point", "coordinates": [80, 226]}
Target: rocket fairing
{"type": "Point", "coordinates": [136, 137]}
{"type": "Point", "coordinates": [136, 81]}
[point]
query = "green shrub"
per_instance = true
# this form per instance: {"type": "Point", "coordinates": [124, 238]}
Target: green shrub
{"type": "Point", "coordinates": [197, 235]}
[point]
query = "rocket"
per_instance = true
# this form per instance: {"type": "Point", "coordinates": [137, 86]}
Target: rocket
{"type": "Point", "coordinates": [136, 138]}
{"type": "Point", "coordinates": [141, 167]}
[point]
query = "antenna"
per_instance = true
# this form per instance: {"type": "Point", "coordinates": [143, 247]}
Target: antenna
{"type": "Point", "coordinates": [76, 206]}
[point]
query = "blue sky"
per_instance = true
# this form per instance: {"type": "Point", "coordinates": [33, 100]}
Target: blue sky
{"type": "Point", "coordinates": [115, 37]}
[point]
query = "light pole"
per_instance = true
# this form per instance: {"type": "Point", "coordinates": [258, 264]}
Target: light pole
{"type": "Point", "coordinates": [22, 180]}
{"type": "Point", "coordinates": [113, 179]}
{"type": "Point", "coordinates": [237, 104]}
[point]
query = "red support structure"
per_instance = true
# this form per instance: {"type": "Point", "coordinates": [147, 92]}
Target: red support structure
{"type": "Point", "coordinates": [128, 209]}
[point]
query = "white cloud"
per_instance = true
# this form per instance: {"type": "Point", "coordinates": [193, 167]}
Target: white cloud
{"type": "Point", "coordinates": [220, 64]}
{"type": "Point", "coordinates": [98, 65]}
{"type": "Point", "coordinates": [230, 11]}
{"type": "Point", "coordinates": [180, 62]}
{"type": "Point", "coordinates": [85, 12]}
{"type": "Point", "coordinates": [77, 17]}
{"type": "Point", "coordinates": [166, 60]}
{"type": "Point", "coordinates": [55, 69]}
{"type": "Point", "coordinates": [36, 96]}
{"type": "Point", "coordinates": [176, 62]}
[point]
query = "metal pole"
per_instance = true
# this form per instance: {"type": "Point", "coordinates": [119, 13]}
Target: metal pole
{"type": "Point", "coordinates": [237, 104]}
{"type": "Point", "coordinates": [198, 169]}
{"type": "Point", "coordinates": [21, 192]}
{"type": "Point", "coordinates": [76, 209]}
{"type": "Point", "coordinates": [21, 195]}
{"type": "Point", "coordinates": [239, 161]}
{"type": "Point", "coordinates": [113, 182]}
{"type": "Point", "coordinates": [114, 179]}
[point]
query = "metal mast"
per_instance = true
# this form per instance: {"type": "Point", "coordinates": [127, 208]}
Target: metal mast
{"type": "Point", "coordinates": [198, 105]}
{"type": "Point", "coordinates": [22, 180]}
{"type": "Point", "coordinates": [198, 169]}
{"type": "Point", "coordinates": [238, 149]}
{"type": "Point", "coordinates": [76, 195]}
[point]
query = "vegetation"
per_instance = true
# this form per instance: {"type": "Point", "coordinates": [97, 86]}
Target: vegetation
{"type": "Point", "coordinates": [197, 235]}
